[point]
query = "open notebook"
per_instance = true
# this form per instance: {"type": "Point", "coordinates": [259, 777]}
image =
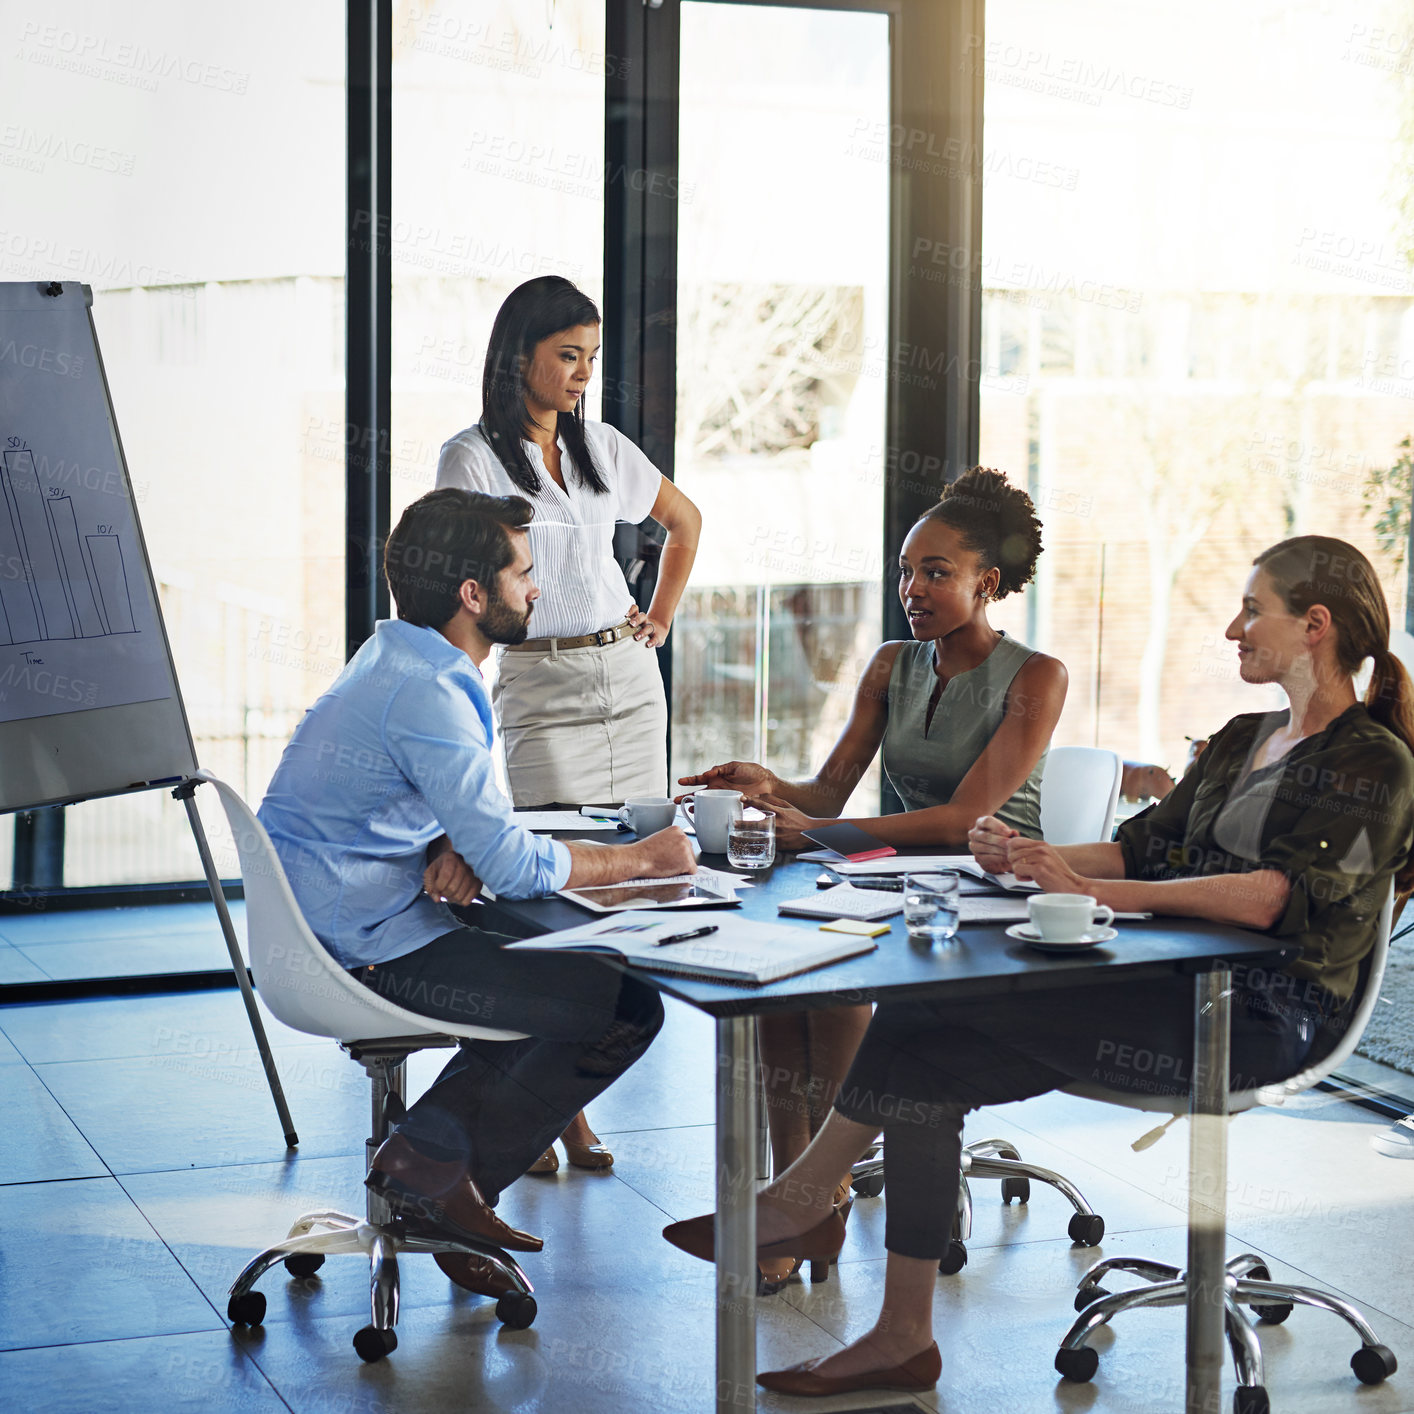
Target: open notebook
{"type": "Point", "coordinates": [738, 950]}
{"type": "Point", "coordinates": [922, 864]}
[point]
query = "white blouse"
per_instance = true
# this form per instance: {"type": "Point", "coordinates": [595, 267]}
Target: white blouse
{"type": "Point", "coordinates": [582, 588]}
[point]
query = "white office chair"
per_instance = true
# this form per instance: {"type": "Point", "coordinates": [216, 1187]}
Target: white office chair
{"type": "Point", "coordinates": [307, 989]}
{"type": "Point", "coordinates": [1079, 790]}
{"type": "Point", "coordinates": [1248, 1280]}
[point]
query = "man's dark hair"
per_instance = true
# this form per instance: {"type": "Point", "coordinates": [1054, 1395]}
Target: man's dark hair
{"type": "Point", "coordinates": [443, 539]}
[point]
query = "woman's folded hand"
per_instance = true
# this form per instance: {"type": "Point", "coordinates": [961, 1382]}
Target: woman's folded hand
{"type": "Point", "coordinates": [1041, 862]}
{"type": "Point", "coordinates": [988, 840]}
{"type": "Point", "coordinates": [789, 821]}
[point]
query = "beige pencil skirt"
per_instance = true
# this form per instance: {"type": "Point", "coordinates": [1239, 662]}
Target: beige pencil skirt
{"type": "Point", "coordinates": [582, 726]}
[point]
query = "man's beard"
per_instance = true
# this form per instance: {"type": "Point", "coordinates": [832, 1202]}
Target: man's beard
{"type": "Point", "coordinates": [500, 623]}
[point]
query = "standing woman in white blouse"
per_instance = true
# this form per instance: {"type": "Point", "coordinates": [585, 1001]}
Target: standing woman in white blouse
{"type": "Point", "coordinates": [581, 705]}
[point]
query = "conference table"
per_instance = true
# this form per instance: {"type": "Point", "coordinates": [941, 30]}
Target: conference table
{"type": "Point", "coordinates": [982, 961]}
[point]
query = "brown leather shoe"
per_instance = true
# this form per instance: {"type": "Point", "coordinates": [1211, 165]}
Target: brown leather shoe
{"type": "Point", "coordinates": [548, 1162]}
{"type": "Point", "coordinates": [588, 1156]}
{"type": "Point", "coordinates": [440, 1194]}
{"type": "Point", "coordinates": [696, 1237]}
{"type": "Point", "coordinates": [920, 1371]}
{"type": "Point", "coordinates": [476, 1274]}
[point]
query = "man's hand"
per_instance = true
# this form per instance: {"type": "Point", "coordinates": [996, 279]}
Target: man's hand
{"type": "Point", "coordinates": [667, 853]}
{"type": "Point", "coordinates": [988, 840]}
{"type": "Point", "coordinates": [1036, 860]}
{"type": "Point", "coordinates": [660, 856]}
{"type": "Point", "coordinates": [745, 776]}
{"type": "Point", "coordinates": [449, 878]}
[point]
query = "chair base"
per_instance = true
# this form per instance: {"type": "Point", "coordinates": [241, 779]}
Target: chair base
{"type": "Point", "coordinates": [1248, 1284]}
{"type": "Point", "coordinates": [989, 1158]}
{"type": "Point", "coordinates": [325, 1233]}
{"type": "Point", "coordinates": [380, 1234]}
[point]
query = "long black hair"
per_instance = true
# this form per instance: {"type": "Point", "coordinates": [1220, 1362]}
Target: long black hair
{"type": "Point", "coordinates": [532, 312]}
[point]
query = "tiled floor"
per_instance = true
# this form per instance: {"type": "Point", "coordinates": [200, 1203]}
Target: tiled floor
{"type": "Point", "coordinates": [114, 942]}
{"type": "Point", "coordinates": [143, 1165]}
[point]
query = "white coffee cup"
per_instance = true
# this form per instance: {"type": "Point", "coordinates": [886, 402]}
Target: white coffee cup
{"type": "Point", "coordinates": [712, 812]}
{"type": "Point", "coordinates": [1065, 918]}
{"type": "Point", "coordinates": [647, 814]}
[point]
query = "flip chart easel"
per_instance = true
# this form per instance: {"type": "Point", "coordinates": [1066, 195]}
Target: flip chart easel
{"type": "Point", "coordinates": [89, 701]}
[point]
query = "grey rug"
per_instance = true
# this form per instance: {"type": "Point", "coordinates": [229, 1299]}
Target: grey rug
{"type": "Point", "coordinates": [1389, 1038]}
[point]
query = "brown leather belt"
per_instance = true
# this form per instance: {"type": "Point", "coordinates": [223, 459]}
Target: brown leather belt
{"type": "Point", "coordinates": [602, 639]}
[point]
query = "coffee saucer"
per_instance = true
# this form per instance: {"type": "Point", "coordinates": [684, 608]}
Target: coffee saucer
{"type": "Point", "coordinates": [1092, 937]}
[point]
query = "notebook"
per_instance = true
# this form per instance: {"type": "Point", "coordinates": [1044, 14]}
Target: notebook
{"type": "Point", "coordinates": [846, 841]}
{"type": "Point", "coordinates": [845, 901]}
{"type": "Point", "coordinates": [923, 863]}
{"type": "Point", "coordinates": [737, 950]}
{"type": "Point", "coordinates": [562, 820]}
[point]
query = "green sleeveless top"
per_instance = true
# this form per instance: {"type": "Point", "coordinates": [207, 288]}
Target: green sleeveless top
{"type": "Point", "coordinates": [925, 763]}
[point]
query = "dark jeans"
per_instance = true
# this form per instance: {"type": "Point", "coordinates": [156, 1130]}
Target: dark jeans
{"type": "Point", "coordinates": [498, 1105]}
{"type": "Point", "coordinates": [922, 1066]}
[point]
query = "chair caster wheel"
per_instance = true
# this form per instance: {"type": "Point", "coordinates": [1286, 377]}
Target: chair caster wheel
{"type": "Point", "coordinates": [1018, 1188]}
{"type": "Point", "coordinates": [870, 1186]}
{"type": "Point", "coordinates": [373, 1344]}
{"type": "Point", "coordinates": [304, 1264]}
{"type": "Point", "coordinates": [954, 1259]}
{"type": "Point", "coordinates": [247, 1309]}
{"type": "Point", "coordinates": [1087, 1296]}
{"type": "Point", "coordinates": [516, 1309]}
{"type": "Point", "coordinates": [1086, 1228]}
{"type": "Point", "coordinates": [1373, 1363]}
{"type": "Point", "coordinates": [1079, 1365]}
{"type": "Point", "coordinates": [1250, 1399]}
{"type": "Point", "coordinates": [1273, 1315]}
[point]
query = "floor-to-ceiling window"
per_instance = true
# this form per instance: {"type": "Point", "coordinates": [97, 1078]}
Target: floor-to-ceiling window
{"type": "Point", "coordinates": [1198, 325]}
{"type": "Point", "coordinates": [498, 159]}
{"type": "Point", "coordinates": [187, 163]}
{"type": "Point", "coordinates": [782, 368]}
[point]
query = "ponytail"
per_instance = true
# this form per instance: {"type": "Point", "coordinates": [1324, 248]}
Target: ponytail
{"type": "Point", "coordinates": [1390, 701]}
{"type": "Point", "coordinates": [1317, 569]}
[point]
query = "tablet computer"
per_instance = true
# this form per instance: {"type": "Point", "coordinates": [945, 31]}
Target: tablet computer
{"type": "Point", "coordinates": [683, 891]}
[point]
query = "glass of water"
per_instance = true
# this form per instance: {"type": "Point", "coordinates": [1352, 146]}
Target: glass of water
{"type": "Point", "coordinates": [930, 906]}
{"type": "Point", "coordinates": [751, 842]}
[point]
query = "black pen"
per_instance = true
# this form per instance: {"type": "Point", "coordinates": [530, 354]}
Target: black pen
{"type": "Point", "coordinates": [872, 881]}
{"type": "Point", "coordinates": [683, 937]}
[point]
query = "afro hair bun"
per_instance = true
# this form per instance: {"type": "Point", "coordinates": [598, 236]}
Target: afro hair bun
{"type": "Point", "coordinates": [997, 521]}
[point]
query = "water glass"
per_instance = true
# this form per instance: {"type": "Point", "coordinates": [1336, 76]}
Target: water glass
{"type": "Point", "coordinates": [751, 842]}
{"type": "Point", "coordinates": [930, 906]}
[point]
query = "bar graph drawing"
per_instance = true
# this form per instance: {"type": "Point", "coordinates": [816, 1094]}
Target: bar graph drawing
{"type": "Point", "coordinates": [54, 582]}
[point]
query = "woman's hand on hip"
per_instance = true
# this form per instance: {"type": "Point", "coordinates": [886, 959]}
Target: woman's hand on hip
{"type": "Point", "coordinates": [745, 776]}
{"type": "Point", "coordinates": [649, 632]}
{"type": "Point", "coordinates": [1036, 860]}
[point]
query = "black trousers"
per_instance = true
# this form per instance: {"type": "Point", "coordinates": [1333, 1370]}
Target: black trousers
{"type": "Point", "coordinates": [498, 1105]}
{"type": "Point", "coordinates": [922, 1066]}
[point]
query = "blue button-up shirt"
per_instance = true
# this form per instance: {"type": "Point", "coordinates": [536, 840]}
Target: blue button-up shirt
{"type": "Point", "coordinates": [397, 752]}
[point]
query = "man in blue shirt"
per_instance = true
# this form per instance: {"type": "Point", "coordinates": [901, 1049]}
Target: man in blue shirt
{"type": "Point", "coordinates": [385, 806]}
